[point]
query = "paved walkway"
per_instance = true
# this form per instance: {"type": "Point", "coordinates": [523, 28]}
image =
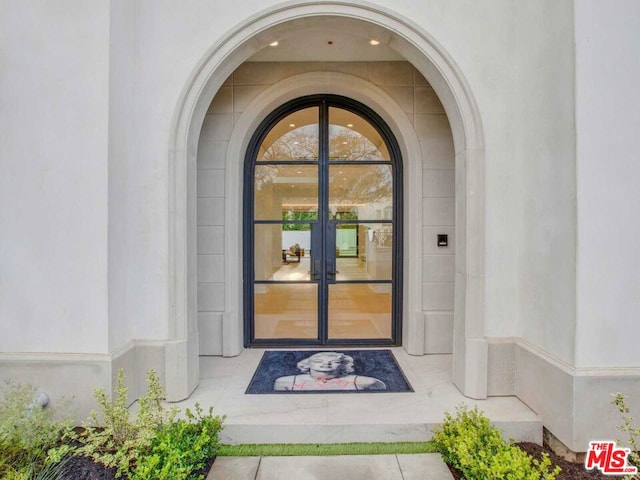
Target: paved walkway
{"type": "Point", "coordinates": [423, 466]}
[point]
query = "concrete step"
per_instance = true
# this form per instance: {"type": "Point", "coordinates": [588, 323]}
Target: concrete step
{"type": "Point", "coordinates": [357, 417]}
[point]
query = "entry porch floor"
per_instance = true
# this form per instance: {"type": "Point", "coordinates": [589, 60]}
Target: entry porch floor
{"type": "Point", "coordinates": [339, 418]}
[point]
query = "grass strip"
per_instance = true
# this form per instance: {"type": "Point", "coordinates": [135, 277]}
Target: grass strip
{"type": "Point", "coordinates": [322, 449]}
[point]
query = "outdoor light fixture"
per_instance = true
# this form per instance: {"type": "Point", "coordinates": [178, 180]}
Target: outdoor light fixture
{"type": "Point", "coordinates": [42, 399]}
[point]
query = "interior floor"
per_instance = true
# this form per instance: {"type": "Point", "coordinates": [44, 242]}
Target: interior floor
{"type": "Point", "coordinates": [356, 311]}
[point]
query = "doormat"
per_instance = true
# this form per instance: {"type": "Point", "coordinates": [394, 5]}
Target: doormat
{"type": "Point", "coordinates": [328, 371]}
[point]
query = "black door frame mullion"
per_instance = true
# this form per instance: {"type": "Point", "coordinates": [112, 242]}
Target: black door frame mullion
{"type": "Point", "coordinates": [323, 199]}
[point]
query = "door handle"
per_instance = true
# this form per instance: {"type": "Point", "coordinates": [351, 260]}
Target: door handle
{"type": "Point", "coordinates": [331, 252]}
{"type": "Point", "coordinates": [331, 269]}
{"type": "Point", "coordinates": [315, 269]}
{"type": "Point", "coordinates": [316, 257]}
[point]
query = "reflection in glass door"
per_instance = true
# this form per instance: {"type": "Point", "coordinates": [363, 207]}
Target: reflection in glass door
{"type": "Point", "coordinates": [322, 210]}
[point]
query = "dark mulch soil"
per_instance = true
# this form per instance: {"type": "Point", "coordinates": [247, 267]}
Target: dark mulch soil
{"type": "Point", "coordinates": [570, 470]}
{"type": "Point", "coordinates": [204, 470]}
{"type": "Point", "coordinates": [84, 468]}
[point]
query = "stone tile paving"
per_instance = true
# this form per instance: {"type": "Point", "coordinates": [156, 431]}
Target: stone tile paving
{"type": "Point", "coordinates": [425, 466]}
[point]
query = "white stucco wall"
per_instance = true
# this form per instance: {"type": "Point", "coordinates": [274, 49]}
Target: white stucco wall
{"type": "Point", "coordinates": [542, 109]}
{"type": "Point", "coordinates": [54, 101]}
{"type": "Point", "coordinates": [608, 176]}
{"type": "Point", "coordinates": [124, 286]}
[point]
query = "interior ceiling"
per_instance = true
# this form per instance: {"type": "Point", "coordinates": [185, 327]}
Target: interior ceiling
{"type": "Point", "coordinates": [329, 39]}
{"type": "Point", "coordinates": [337, 116]}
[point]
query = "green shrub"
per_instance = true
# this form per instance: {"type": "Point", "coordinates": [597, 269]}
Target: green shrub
{"type": "Point", "coordinates": [181, 447]}
{"type": "Point", "coordinates": [632, 433]}
{"type": "Point", "coordinates": [28, 433]}
{"type": "Point", "coordinates": [469, 443]}
{"type": "Point", "coordinates": [113, 438]}
{"type": "Point", "coordinates": [154, 445]}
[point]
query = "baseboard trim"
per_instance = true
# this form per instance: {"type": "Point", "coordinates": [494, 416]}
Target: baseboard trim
{"type": "Point", "coordinates": [75, 376]}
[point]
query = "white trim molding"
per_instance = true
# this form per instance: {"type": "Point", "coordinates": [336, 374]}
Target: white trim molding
{"type": "Point", "coordinates": [61, 373]}
{"type": "Point", "coordinates": [573, 402]}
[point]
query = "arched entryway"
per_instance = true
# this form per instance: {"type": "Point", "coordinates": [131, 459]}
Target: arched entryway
{"type": "Point", "coordinates": [323, 227]}
{"type": "Point", "coordinates": [426, 55]}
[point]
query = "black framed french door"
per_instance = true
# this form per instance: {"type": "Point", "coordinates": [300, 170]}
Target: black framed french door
{"type": "Point", "coordinates": [322, 227]}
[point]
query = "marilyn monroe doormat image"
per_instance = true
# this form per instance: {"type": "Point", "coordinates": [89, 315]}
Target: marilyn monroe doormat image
{"type": "Point", "coordinates": [328, 371]}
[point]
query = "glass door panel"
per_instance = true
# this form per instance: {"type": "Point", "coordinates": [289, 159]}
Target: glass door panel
{"type": "Point", "coordinates": [279, 189]}
{"type": "Point", "coordinates": [285, 284]}
{"type": "Point", "coordinates": [360, 289]}
{"type": "Point", "coordinates": [363, 192]}
{"type": "Point", "coordinates": [364, 252]}
{"type": "Point", "coordinates": [286, 311]}
{"type": "Point", "coordinates": [282, 252]}
{"type": "Point", "coordinates": [351, 137]}
{"type": "Point", "coordinates": [285, 208]}
{"type": "Point", "coordinates": [294, 138]}
{"type": "Point", "coordinates": [360, 311]}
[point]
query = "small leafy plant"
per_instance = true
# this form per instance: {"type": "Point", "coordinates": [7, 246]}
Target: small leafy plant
{"type": "Point", "coordinates": [181, 447]}
{"type": "Point", "coordinates": [113, 438]}
{"type": "Point", "coordinates": [632, 433]}
{"type": "Point", "coordinates": [29, 434]}
{"type": "Point", "coordinates": [472, 445]}
{"type": "Point", "coordinates": [154, 445]}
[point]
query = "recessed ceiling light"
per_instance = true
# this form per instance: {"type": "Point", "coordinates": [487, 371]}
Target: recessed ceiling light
{"type": "Point", "coordinates": [350, 125]}
{"type": "Point", "coordinates": [292, 125]}
{"type": "Point", "coordinates": [274, 44]}
{"type": "Point", "coordinates": [374, 42]}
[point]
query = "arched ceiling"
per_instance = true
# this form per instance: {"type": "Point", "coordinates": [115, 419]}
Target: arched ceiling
{"type": "Point", "coordinates": [329, 39]}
